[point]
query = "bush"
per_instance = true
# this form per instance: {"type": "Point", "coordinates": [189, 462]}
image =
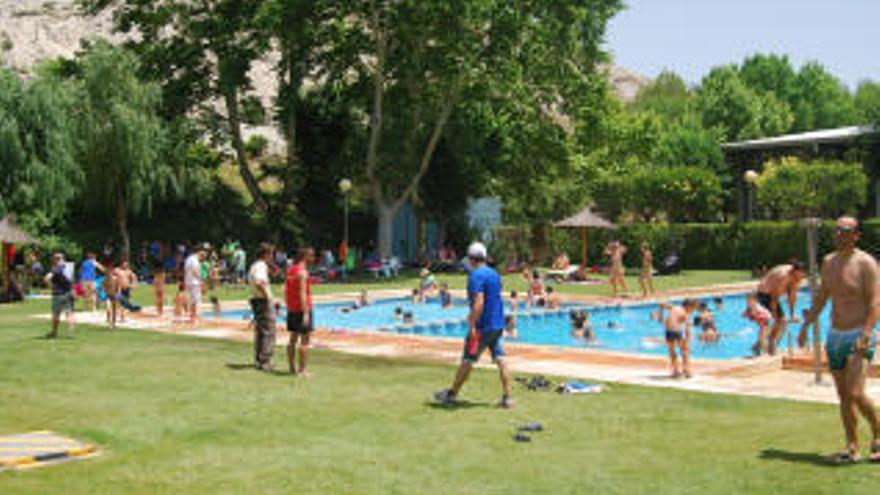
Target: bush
{"type": "Point", "coordinates": [711, 245]}
{"type": "Point", "coordinates": [792, 189]}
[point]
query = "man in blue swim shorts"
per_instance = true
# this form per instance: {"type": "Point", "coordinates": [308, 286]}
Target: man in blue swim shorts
{"type": "Point", "coordinates": [849, 278]}
{"type": "Point", "coordinates": [485, 326]}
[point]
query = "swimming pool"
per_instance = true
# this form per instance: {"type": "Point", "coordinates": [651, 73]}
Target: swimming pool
{"type": "Point", "coordinates": [628, 329]}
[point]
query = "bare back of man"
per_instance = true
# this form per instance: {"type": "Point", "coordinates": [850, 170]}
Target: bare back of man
{"type": "Point", "coordinates": [781, 280]}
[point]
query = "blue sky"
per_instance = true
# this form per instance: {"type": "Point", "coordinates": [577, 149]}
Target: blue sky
{"type": "Point", "coordinates": [692, 36]}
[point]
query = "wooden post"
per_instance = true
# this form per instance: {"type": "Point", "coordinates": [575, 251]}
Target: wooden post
{"type": "Point", "coordinates": [812, 242]}
{"type": "Point", "coordinates": [584, 249]}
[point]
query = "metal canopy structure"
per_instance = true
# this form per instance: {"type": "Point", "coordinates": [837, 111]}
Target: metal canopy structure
{"type": "Point", "coordinates": [584, 220]}
{"type": "Point", "coordinates": [841, 135]}
{"type": "Point", "coordinates": [831, 144]}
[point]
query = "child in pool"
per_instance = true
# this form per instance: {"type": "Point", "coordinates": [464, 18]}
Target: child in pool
{"type": "Point", "coordinates": [760, 315]}
{"type": "Point", "coordinates": [510, 327]}
{"type": "Point", "coordinates": [710, 334]}
{"type": "Point", "coordinates": [580, 325]}
{"type": "Point", "coordinates": [445, 295]}
{"type": "Point", "coordinates": [552, 300]}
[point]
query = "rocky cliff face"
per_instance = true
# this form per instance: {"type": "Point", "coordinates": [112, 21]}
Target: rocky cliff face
{"type": "Point", "coordinates": [36, 30]}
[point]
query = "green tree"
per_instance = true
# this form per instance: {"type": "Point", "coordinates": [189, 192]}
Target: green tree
{"type": "Point", "coordinates": [725, 102]}
{"type": "Point", "coordinates": [821, 101]}
{"type": "Point", "coordinates": [419, 61]}
{"type": "Point", "coordinates": [667, 96]}
{"type": "Point", "coordinates": [867, 102]}
{"type": "Point", "coordinates": [789, 188]}
{"type": "Point", "coordinates": [121, 137]}
{"type": "Point", "coordinates": [39, 173]}
{"type": "Point", "coordinates": [198, 51]}
{"type": "Point", "coordinates": [770, 74]}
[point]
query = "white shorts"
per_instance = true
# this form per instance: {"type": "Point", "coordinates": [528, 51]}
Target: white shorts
{"type": "Point", "coordinates": [195, 294]}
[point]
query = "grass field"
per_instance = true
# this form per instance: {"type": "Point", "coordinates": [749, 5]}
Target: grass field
{"type": "Point", "coordinates": [176, 415]}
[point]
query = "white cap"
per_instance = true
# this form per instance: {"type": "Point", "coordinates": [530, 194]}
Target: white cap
{"type": "Point", "coordinates": [477, 251]}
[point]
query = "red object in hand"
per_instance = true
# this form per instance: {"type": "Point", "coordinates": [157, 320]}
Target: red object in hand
{"type": "Point", "coordinates": [473, 343]}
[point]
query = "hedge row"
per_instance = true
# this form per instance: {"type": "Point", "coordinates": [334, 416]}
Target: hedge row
{"type": "Point", "coordinates": [712, 245]}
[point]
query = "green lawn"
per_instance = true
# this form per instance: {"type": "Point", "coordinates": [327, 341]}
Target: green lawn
{"type": "Point", "coordinates": [173, 417]}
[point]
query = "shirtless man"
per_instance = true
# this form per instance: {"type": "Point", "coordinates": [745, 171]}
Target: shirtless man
{"type": "Point", "coordinates": [126, 280]}
{"type": "Point", "coordinates": [678, 332]}
{"type": "Point", "coordinates": [849, 278]}
{"type": "Point", "coordinates": [646, 277]}
{"type": "Point", "coordinates": [782, 279]}
{"type": "Point", "coordinates": [615, 250]}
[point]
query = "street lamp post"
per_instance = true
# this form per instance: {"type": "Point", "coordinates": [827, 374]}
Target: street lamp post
{"type": "Point", "coordinates": [345, 188]}
{"type": "Point", "coordinates": [750, 177]}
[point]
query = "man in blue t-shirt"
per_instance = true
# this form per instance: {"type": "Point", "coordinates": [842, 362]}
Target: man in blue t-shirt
{"type": "Point", "coordinates": [485, 326]}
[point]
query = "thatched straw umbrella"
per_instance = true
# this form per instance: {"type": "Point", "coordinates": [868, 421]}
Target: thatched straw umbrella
{"type": "Point", "coordinates": [584, 220]}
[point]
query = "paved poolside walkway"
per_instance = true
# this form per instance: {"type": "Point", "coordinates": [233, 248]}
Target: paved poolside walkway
{"type": "Point", "coordinates": [762, 377]}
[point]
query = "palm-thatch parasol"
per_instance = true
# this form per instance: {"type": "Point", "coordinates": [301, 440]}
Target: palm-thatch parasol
{"type": "Point", "coordinates": [11, 233]}
{"type": "Point", "coordinates": [584, 220]}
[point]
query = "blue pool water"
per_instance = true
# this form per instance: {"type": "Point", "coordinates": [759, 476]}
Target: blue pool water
{"type": "Point", "coordinates": [627, 329]}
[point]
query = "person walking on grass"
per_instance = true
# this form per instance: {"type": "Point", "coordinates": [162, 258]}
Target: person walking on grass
{"type": "Point", "coordinates": [263, 308]}
{"type": "Point", "coordinates": [615, 251]}
{"type": "Point", "coordinates": [62, 295]}
{"type": "Point", "coordinates": [780, 280]}
{"type": "Point", "coordinates": [88, 276]}
{"type": "Point", "coordinates": [299, 310]}
{"type": "Point", "coordinates": [192, 282]}
{"type": "Point", "coordinates": [485, 327]}
{"type": "Point", "coordinates": [850, 277]}
{"type": "Point", "coordinates": [646, 277]}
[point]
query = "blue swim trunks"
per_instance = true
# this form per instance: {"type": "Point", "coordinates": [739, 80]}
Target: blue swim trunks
{"type": "Point", "coordinates": [840, 344]}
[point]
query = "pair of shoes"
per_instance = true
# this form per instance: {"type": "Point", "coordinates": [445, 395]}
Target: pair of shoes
{"type": "Point", "coordinates": [445, 397]}
{"type": "Point", "coordinates": [846, 457]}
{"type": "Point", "coordinates": [506, 402]}
{"type": "Point", "coordinates": [531, 427]}
{"type": "Point", "coordinates": [522, 437]}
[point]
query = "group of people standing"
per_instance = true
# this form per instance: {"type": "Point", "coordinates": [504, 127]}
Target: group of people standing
{"type": "Point", "coordinates": [265, 308]}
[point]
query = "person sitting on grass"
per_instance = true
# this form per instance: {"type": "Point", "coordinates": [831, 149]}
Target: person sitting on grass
{"type": "Point", "coordinates": [678, 333]}
{"type": "Point", "coordinates": [760, 315]}
{"type": "Point", "coordinates": [706, 318]}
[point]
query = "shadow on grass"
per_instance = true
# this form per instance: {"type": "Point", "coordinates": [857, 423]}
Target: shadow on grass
{"type": "Point", "coordinates": [459, 404]}
{"type": "Point", "coordinates": [802, 458]}
{"type": "Point", "coordinates": [250, 367]}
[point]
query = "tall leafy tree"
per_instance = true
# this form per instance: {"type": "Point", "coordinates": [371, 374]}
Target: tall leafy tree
{"type": "Point", "coordinates": [821, 100]}
{"type": "Point", "coordinates": [201, 52]}
{"type": "Point", "coordinates": [417, 61]}
{"type": "Point", "coordinates": [121, 137]}
{"type": "Point", "coordinates": [39, 172]}
{"type": "Point", "coordinates": [771, 73]}
{"type": "Point", "coordinates": [727, 103]}
{"type": "Point", "coordinates": [667, 96]}
{"type": "Point", "coordinates": [867, 102]}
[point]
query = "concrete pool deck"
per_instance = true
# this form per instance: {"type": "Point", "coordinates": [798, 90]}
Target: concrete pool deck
{"type": "Point", "coordinates": [760, 377]}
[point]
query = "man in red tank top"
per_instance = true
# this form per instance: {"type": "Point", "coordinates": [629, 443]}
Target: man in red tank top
{"type": "Point", "coordinates": [299, 309]}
